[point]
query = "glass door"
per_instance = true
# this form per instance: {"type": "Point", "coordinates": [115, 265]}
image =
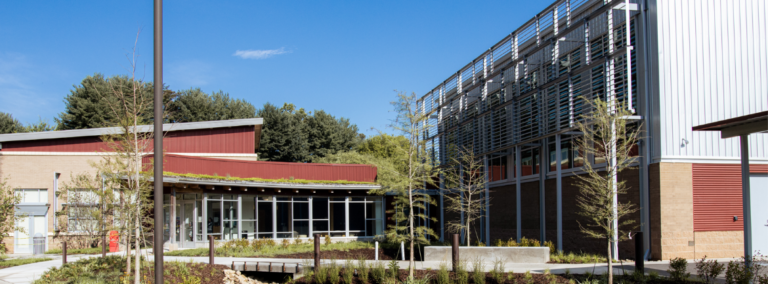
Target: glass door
{"type": "Point", "coordinates": [186, 229]}
{"type": "Point", "coordinates": [23, 239]}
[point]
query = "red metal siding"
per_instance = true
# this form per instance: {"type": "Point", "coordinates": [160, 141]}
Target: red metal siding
{"type": "Point", "coordinates": [239, 140]}
{"type": "Point", "coordinates": [717, 196]}
{"type": "Point", "coordinates": [266, 170]}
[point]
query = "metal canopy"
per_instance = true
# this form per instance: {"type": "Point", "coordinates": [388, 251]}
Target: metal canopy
{"type": "Point", "coordinates": [748, 124]}
{"type": "Point", "coordinates": [742, 126]}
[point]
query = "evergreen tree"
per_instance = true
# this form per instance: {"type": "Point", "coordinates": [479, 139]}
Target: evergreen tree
{"type": "Point", "coordinates": [283, 134]}
{"type": "Point", "coordinates": [87, 105]}
{"type": "Point", "coordinates": [195, 105]}
{"type": "Point", "coordinates": [8, 124]}
{"type": "Point", "coordinates": [328, 135]}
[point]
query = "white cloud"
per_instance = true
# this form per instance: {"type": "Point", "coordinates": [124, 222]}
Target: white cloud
{"type": "Point", "coordinates": [259, 54]}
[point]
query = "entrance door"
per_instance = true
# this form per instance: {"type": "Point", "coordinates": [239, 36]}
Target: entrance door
{"type": "Point", "coordinates": [758, 191]}
{"type": "Point", "coordinates": [31, 226]}
{"type": "Point", "coordinates": [186, 229]}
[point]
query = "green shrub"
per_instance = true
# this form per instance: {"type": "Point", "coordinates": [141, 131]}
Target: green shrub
{"type": "Point", "coordinates": [393, 269]}
{"type": "Point", "coordinates": [378, 273]}
{"type": "Point", "coordinates": [362, 269]}
{"type": "Point", "coordinates": [321, 275]}
{"type": "Point", "coordinates": [333, 272]}
{"type": "Point", "coordinates": [677, 269]}
{"type": "Point", "coordinates": [442, 274]}
{"type": "Point", "coordinates": [461, 274]}
{"type": "Point", "coordinates": [653, 276]}
{"type": "Point", "coordinates": [497, 273]}
{"type": "Point", "coordinates": [708, 270]}
{"type": "Point", "coordinates": [528, 277]}
{"type": "Point", "coordinates": [478, 273]}
{"type": "Point", "coordinates": [191, 280]}
{"type": "Point", "coordinates": [349, 272]}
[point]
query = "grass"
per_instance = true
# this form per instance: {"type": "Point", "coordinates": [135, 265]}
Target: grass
{"type": "Point", "coordinates": [4, 263]}
{"type": "Point", "coordinates": [96, 250]}
{"type": "Point", "coordinates": [267, 248]}
{"type": "Point", "coordinates": [561, 257]}
{"type": "Point", "coordinates": [299, 181]}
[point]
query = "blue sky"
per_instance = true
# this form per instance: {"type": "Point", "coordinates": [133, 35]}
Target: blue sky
{"type": "Point", "coordinates": [346, 57]}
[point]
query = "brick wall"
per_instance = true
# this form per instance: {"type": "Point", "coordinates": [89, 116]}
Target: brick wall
{"type": "Point", "coordinates": [671, 190]}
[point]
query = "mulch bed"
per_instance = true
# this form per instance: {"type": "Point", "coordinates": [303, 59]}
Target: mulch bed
{"type": "Point", "coordinates": [367, 254]}
{"type": "Point", "coordinates": [213, 274]}
{"type": "Point", "coordinates": [421, 274]}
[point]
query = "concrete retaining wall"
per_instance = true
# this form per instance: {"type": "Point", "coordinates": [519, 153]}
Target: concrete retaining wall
{"type": "Point", "coordinates": [489, 254]}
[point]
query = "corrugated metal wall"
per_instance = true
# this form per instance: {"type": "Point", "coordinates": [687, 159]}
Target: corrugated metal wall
{"type": "Point", "coordinates": [713, 65]}
{"type": "Point", "coordinates": [717, 196]}
{"type": "Point", "coordinates": [266, 170]}
{"type": "Point", "coordinates": [239, 140]}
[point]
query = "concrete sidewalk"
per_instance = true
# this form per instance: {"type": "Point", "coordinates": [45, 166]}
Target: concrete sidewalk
{"type": "Point", "coordinates": [28, 273]}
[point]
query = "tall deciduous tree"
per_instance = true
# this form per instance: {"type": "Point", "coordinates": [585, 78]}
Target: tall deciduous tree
{"type": "Point", "coordinates": [410, 199]}
{"type": "Point", "coordinates": [391, 147]}
{"type": "Point", "coordinates": [606, 133]}
{"type": "Point", "coordinates": [467, 174]}
{"type": "Point", "coordinates": [195, 105]}
{"type": "Point", "coordinates": [387, 174]}
{"type": "Point", "coordinates": [8, 124]}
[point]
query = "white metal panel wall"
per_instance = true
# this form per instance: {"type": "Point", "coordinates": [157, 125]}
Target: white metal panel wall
{"type": "Point", "coordinates": [713, 65]}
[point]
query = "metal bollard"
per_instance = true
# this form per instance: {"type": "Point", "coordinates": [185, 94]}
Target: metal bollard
{"type": "Point", "coordinates": [455, 251]}
{"type": "Point", "coordinates": [639, 252]}
{"type": "Point", "coordinates": [402, 249]}
{"type": "Point", "coordinates": [64, 253]}
{"type": "Point", "coordinates": [376, 252]}
{"type": "Point", "coordinates": [317, 251]}
{"type": "Point", "coordinates": [211, 249]}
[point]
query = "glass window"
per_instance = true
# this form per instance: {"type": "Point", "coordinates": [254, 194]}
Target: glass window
{"type": "Point", "coordinates": [373, 216]}
{"type": "Point", "coordinates": [497, 168]}
{"type": "Point", "coordinates": [356, 220]}
{"type": "Point", "coordinates": [188, 197]}
{"type": "Point", "coordinates": [357, 198]}
{"type": "Point", "coordinates": [214, 218]}
{"type": "Point", "coordinates": [230, 220]}
{"type": "Point", "coordinates": [565, 154]}
{"type": "Point", "coordinates": [264, 215]}
{"type": "Point", "coordinates": [530, 162]}
{"type": "Point", "coordinates": [82, 218]}
{"type": "Point", "coordinates": [284, 219]}
{"type": "Point", "coordinates": [320, 207]}
{"type": "Point", "coordinates": [320, 226]}
{"type": "Point", "coordinates": [35, 195]}
{"type": "Point", "coordinates": [301, 228]}
{"type": "Point", "coordinates": [199, 219]}
{"type": "Point", "coordinates": [300, 210]}
{"type": "Point", "coordinates": [338, 217]}
{"type": "Point", "coordinates": [214, 196]}
{"type": "Point", "coordinates": [249, 207]}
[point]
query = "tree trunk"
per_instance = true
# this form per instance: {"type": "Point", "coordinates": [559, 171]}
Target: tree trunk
{"type": "Point", "coordinates": [469, 210]}
{"type": "Point", "coordinates": [128, 253]}
{"type": "Point", "coordinates": [610, 263]}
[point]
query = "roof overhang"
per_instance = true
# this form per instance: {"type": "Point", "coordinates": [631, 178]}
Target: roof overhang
{"type": "Point", "coordinates": [316, 186]}
{"type": "Point", "coordinates": [255, 122]}
{"type": "Point", "coordinates": [737, 126]}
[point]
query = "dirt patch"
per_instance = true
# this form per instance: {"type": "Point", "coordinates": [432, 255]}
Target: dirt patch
{"type": "Point", "coordinates": [213, 274]}
{"type": "Point", "coordinates": [367, 254]}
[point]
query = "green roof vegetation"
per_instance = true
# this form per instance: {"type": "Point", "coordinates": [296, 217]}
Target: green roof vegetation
{"type": "Point", "coordinates": [295, 181]}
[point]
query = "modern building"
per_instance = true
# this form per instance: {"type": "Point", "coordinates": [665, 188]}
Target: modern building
{"type": "Point", "coordinates": [213, 186]}
{"type": "Point", "coordinates": [679, 64]}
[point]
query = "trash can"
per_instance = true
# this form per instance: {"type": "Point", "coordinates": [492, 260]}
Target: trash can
{"type": "Point", "coordinates": [38, 243]}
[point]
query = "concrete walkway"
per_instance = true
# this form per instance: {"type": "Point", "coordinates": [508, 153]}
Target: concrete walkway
{"type": "Point", "coordinates": [27, 273]}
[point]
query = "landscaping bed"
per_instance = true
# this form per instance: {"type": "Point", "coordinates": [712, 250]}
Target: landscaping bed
{"type": "Point", "coordinates": [112, 270]}
{"type": "Point", "coordinates": [368, 254]}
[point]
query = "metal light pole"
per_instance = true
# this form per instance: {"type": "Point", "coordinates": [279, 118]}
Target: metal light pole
{"type": "Point", "coordinates": [158, 82]}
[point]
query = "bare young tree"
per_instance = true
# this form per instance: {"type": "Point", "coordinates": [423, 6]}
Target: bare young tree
{"type": "Point", "coordinates": [85, 219]}
{"type": "Point", "coordinates": [8, 218]}
{"type": "Point", "coordinates": [606, 135]}
{"type": "Point", "coordinates": [410, 199]}
{"type": "Point", "coordinates": [467, 179]}
{"type": "Point", "coordinates": [123, 166]}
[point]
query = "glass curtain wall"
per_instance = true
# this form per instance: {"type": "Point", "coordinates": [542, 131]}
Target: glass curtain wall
{"type": "Point", "coordinates": [297, 217]}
